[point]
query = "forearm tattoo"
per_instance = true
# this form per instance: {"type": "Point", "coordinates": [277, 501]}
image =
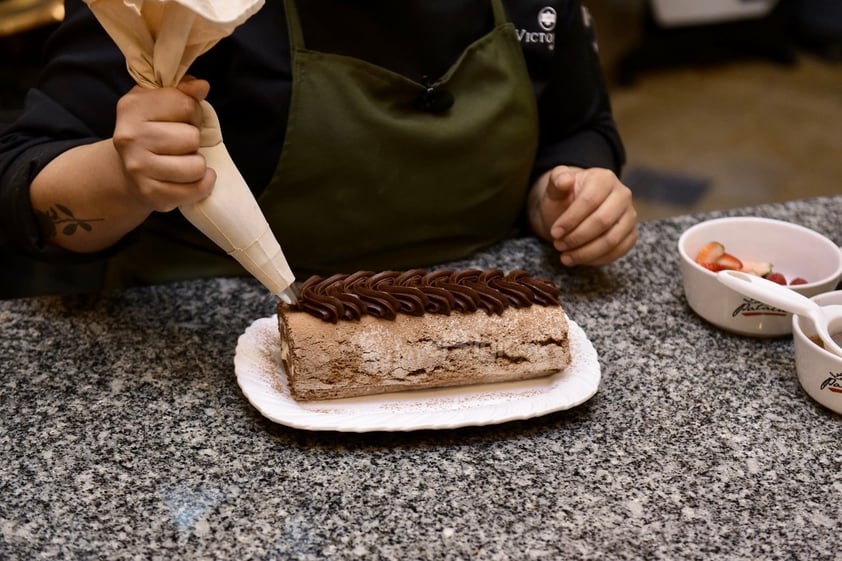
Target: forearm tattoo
{"type": "Point", "coordinates": [60, 218]}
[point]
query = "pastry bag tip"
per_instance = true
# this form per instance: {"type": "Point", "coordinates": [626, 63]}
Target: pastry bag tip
{"type": "Point", "coordinates": [289, 296]}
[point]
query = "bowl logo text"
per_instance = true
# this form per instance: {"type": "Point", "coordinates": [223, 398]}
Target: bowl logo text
{"type": "Point", "coordinates": [751, 307]}
{"type": "Point", "coordinates": [834, 383]}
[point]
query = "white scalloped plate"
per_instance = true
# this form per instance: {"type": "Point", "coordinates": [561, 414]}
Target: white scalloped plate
{"type": "Point", "coordinates": [263, 381]}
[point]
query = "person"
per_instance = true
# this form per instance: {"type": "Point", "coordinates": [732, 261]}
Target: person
{"type": "Point", "coordinates": [374, 134]}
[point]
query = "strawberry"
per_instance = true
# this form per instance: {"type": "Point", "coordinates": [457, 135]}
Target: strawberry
{"type": "Point", "coordinates": [710, 253]}
{"type": "Point", "coordinates": [728, 261]}
{"type": "Point", "coordinates": [715, 267]}
{"type": "Point", "coordinates": [798, 280]}
{"type": "Point", "coordinates": [759, 268]}
{"type": "Point", "coordinates": [776, 277]}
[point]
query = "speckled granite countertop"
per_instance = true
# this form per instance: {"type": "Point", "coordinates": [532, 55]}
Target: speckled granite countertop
{"type": "Point", "coordinates": [124, 435]}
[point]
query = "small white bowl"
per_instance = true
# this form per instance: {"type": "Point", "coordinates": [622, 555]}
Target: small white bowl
{"type": "Point", "coordinates": [819, 370]}
{"type": "Point", "coordinates": [794, 251]}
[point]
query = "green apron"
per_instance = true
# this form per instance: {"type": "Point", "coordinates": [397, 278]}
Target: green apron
{"type": "Point", "coordinates": [379, 171]}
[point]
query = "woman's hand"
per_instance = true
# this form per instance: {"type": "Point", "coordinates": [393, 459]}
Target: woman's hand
{"type": "Point", "coordinates": [587, 214]}
{"type": "Point", "coordinates": [151, 164]}
{"type": "Point", "coordinates": [157, 138]}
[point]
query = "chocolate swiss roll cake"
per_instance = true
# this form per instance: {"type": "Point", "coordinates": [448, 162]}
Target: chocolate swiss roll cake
{"type": "Point", "coordinates": [369, 333]}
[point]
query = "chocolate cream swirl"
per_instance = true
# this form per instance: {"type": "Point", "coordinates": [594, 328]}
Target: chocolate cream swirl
{"type": "Point", "coordinates": [416, 292]}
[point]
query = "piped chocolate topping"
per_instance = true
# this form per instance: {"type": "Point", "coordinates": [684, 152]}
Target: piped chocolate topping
{"type": "Point", "coordinates": [416, 292]}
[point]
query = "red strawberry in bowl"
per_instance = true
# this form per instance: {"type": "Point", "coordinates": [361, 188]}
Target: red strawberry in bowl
{"type": "Point", "coordinates": [728, 261]}
{"type": "Point", "coordinates": [777, 277]}
{"type": "Point", "coordinates": [710, 253]}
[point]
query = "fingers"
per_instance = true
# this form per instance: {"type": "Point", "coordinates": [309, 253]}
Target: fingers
{"type": "Point", "coordinates": [157, 136]}
{"type": "Point", "coordinates": [561, 183]}
{"type": "Point", "coordinates": [550, 198]}
{"type": "Point", "coordinates": [593, 187]}
{"type": "Point", "coordinates": [600, 224]}
{"type": "Point", "coordinates": [166, 105]}
{"type": "Point", "coordinates": [169, 182]}
{"type": "Point", "coordinates": [163, 196]}
{"type": "Point", "coordinates": [612, 244]}
{"type": "Point", "coordinates": [195, 88]}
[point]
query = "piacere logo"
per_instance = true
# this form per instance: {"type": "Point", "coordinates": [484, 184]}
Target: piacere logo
{"type": "Point", "coordinates": [833, 383]}
{"type": "Point", "coordinates": [751, 307]}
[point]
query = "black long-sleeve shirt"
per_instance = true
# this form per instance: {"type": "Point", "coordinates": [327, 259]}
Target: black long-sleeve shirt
{"type": "Point", "coordinates": [85, 74]}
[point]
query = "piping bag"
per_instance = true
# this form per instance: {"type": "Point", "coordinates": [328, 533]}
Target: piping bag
{"type": "Point", "coordinates": [160, 40]}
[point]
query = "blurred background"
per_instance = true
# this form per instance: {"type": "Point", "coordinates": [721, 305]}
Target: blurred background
{"type": "Point", "coordinates": [725, 103]}
{"type": "Point", "coordinates": [721, 104]}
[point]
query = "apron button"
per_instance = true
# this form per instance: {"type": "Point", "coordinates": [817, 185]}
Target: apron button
{"type": "Point", "coordinates": [436, 101]}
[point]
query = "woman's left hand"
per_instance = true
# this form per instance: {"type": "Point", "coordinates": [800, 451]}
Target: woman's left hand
{"type": "Point", "coordinates": [587, 214]}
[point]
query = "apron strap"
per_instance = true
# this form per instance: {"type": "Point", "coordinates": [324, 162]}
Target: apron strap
{"type": "Point", "coordinates": [296, 36]}
{"type": "Point", "coordinates": [499, 12]}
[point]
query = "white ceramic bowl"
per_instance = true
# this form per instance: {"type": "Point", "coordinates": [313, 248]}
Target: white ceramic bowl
{"type": "Point", "coordinates": [819, 370]}
{"type": "Point", "coordinates": [794, 251]}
